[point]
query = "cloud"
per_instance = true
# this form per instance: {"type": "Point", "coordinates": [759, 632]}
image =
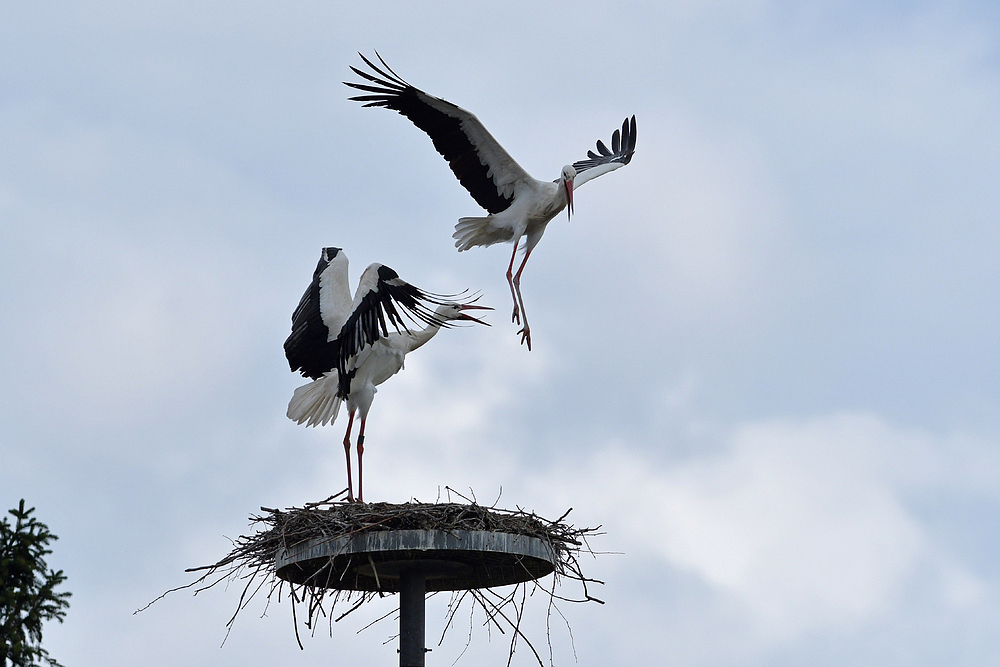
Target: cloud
{"type": "Point", "coordinates": [805, 525]}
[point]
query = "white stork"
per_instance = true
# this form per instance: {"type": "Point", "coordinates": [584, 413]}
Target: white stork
{"type": "Point", "coordinates": [343, 344]}
{"type": "Point", "coordinates": [519, 205]}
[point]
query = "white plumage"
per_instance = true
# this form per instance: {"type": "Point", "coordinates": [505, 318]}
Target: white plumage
{"type": "Point", "coordinates": [344, 344]}
{"type": "Point", "coordinates": [518, 204]}
{"type": "Point", "coordinates": [316, 403]}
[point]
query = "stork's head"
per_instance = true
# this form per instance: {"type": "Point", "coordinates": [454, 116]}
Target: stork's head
{"type": "Point", "coordinates": [456, 311]}
{"type": "Point", "coordinates": [568, 174]}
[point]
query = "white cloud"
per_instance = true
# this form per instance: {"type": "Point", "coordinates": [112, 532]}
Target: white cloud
{"type": "Point", "coordinates": [803, 523]}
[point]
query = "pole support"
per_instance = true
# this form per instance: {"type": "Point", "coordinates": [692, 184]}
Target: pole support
{"type": "Point", "coordinates": [412, 588]}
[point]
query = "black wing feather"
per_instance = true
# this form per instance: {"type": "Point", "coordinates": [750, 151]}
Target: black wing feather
{"type": "Point", "coordinates": [622, 148]}
{"type": "Point", "coordinates": [307, 348]}
{"type": "Point", "coordinates": [392, 92]}
{"type": "Point", "coordinates": [391, 303]}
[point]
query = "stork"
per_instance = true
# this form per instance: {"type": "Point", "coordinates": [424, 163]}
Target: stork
{"type": "Point", "coordinates": [345, 347]}
{"type": "Point", "coordinates": [518, 204]}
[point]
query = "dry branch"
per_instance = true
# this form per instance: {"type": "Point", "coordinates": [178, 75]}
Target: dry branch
{"type": "Point", "coordinates": [252, 559]}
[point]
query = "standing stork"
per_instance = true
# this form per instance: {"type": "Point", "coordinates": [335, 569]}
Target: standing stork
{"type": "Point", "coordinates": [344, 345]}
{"type": "Point", "coordinates": [518, 205]}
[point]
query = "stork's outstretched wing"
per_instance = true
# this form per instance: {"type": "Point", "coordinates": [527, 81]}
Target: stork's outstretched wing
{"type": "Point", "coordinates": [481, 164]}
{"type": "Point", "coordinates": [383, 297]}
{"type": "Point", "coordinates": [622, 150]}
{"type": "Point", "coordinates": [324, 339]}
{"type": "Point", "coordinates": [308, 347]}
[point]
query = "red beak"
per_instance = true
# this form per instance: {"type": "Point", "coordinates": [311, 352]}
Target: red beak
{"type": "Point", "coordinates": [463, 316]}
{"type": "Point", "coordinates": [569, 199]}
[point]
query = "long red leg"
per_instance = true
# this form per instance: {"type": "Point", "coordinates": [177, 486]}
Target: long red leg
{"type": "Point", "coordinates": [515, 318]}
{"type": "Point", "coordinates": [525, 331]}
{"type": "Point", "coordinates": [361, 451]}
{"type": "Point", "coordinates": [347, 451]}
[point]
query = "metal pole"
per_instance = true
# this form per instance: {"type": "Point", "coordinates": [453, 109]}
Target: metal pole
{"type": "Point", "coordinates": [412, 587]}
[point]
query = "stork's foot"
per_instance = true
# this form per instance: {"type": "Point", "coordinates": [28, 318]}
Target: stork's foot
{"type": "Point", "coordinates": [526, 337]}
{"type": "Point", "coordinates": [515, 317]}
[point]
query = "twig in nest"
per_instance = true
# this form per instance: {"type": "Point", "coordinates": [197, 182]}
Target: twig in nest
{"type": "Point", "coordinates": [252, 559]}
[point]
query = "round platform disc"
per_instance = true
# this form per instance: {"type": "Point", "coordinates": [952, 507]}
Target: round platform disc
{"type": "Point", "coordinates": [450, 561]}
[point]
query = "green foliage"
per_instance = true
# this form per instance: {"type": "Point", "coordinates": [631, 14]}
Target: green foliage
{"type": "Point", "coordinates": [27, 590]}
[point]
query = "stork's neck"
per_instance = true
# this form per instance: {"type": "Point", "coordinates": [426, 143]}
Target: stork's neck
{"type": "Point", "coordinates": [418, 338]}
{"type": "Point", "coordinates": [551, 201]}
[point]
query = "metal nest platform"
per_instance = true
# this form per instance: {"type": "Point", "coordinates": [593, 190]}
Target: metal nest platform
{"type": "Point", "coordinates": [366, 546]}
{"type": "Point", "coordinates": [449, 560]}
{"type": "Point", "coordinates": [326, 555]}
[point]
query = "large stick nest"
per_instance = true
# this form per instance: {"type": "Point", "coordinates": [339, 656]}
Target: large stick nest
{"type": "Point", "coordinates": [252, 560]}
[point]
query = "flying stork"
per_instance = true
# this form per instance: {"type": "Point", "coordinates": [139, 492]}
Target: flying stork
{"type": "Point", "coordinates": [518, 205]}
{"type": "Point", "coordinates": [345, 347]}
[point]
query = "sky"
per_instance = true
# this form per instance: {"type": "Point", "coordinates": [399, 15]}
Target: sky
{"type": "Point", "coordinates": [764, 353]}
